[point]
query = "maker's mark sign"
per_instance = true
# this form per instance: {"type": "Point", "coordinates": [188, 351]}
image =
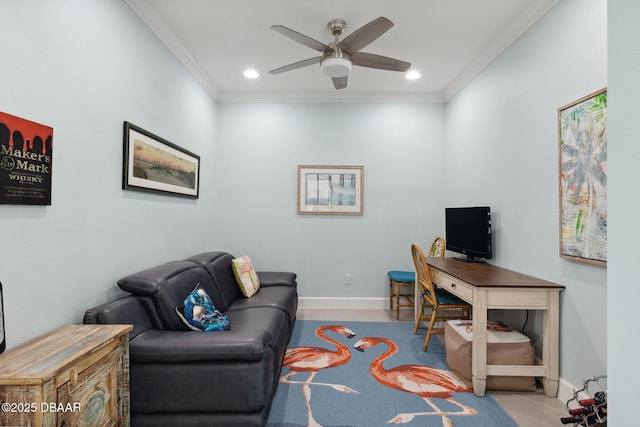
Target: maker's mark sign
{"type": "Point", "coordinates": [26, 155]}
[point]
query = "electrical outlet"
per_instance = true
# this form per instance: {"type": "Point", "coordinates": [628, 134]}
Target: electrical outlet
{"type": "Point", "coordinates": [347, 279]}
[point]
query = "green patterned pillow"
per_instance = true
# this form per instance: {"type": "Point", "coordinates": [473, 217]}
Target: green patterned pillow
{"type": "Point", "coordinates": [245, 276]}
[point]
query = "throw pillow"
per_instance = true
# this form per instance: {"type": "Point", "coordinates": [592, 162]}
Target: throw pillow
{"type": "Point", "coordinates": [246, 276]}
{"type": "Point", "coordinates": [198, 312]}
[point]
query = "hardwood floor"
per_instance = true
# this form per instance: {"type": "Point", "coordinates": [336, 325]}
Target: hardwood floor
{"type": "Point", "coordinates": [530, 409]}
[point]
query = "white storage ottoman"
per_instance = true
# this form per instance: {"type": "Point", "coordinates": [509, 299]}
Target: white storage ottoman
{"type": "Point", "coordinates": [503, 348]}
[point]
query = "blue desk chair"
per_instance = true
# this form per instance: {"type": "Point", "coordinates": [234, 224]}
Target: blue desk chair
{"type": "Point", "coordinates": [401, 279]}
{"type": "Point", "coordinates": [398, 281]}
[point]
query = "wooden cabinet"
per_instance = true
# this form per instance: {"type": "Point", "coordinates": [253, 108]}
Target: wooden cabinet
{"type": "Point", "coordinates": [77, 375]}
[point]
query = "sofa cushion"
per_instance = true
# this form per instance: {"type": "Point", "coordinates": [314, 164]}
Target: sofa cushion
{"type": "Point", "coordinates": [218, 265]}
{"type": "Point", "coordinates": [245, 276]}
{"type": "Point", "coordinates": [198, 313]}
{"type": "Point", "coordinates": [254, 331]}
{"type": "Point", "coordinates": [284, 298]}
{"type": "Point", "coordinates": [190, 346]}
{"type": "Point", "coordinates": [167, 285]}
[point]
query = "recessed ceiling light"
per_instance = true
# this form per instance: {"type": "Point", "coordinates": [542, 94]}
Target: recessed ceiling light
{"type": "Point", "coordinates": [412, 75]}
{"type": "Point", "coordinates": [251, 74]}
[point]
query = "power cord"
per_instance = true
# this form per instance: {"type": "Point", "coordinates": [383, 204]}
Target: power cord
{"type": "Point", "coordinates": [525, 322]}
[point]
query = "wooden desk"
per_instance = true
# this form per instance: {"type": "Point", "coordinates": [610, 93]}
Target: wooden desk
{"type": "Point", "coordinates": [486, 286]}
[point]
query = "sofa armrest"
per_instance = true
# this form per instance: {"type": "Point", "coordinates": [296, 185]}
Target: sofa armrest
{"type": "Point", "coordinates": [127, 311]}
{"type": "Point", "coordinates": [277, 278]}
{"type": "Point", "coordinates": [155, 345]}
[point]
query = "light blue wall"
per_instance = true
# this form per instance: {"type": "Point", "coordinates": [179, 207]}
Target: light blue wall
{"type": "Point", "coordinates": [83, 68]}
{"type": "Point", "coordinates": [502, 151]}
{"type": "Point", "coordinates": [258, 148]}
{"type": "Point", "coordinates": [624, 204]}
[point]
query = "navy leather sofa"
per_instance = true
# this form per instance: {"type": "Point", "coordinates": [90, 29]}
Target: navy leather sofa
{"type": "Point", "coordinates": [181, 377]}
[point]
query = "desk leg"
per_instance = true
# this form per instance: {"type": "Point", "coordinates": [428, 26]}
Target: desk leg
{"type": "Point", "coordinates": [479, 343]}
{"type": "Point", "coordinates": [550, 343]}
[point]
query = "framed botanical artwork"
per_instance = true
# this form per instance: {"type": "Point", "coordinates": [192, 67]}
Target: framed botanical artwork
{"type": "Point", "coordinates": [332, 190]}
{"type": "Point", "coordinates": [582, 141]}
{"type": "Point", "coordinates": [153, 164]}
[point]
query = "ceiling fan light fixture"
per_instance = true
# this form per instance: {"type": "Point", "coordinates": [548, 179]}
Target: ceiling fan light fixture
{"type": "Point", "coordinates": [338, 57]}
{"type": "Point", "coordinates": [336, 67]}
{"type": "Point", "coordinates": [412, 75]}
{"type": "Point", "coordinates": [250, 73]}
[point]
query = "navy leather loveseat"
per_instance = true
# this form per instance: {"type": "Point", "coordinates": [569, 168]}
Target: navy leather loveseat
{"type": "Point", "coordinates": [181, 377]}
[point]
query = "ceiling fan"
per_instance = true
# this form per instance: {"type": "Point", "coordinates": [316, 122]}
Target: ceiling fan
{"type": "Point", "coordinates": [338, 57]}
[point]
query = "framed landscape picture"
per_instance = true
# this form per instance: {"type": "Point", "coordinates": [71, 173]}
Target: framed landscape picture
{"type": "Point", "coordinates": [333, 190]}
{"type": "Point", "coordinates": [153, 164]}
{"type": "Point", "coordinates": [582, 140]}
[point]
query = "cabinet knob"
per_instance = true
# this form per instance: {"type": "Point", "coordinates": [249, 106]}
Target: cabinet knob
{"type": "Point", "coordinates": [73, 377]}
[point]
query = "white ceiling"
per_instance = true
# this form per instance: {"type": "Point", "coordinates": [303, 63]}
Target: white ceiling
{"type": "Point", "coordinates": [448, 41]}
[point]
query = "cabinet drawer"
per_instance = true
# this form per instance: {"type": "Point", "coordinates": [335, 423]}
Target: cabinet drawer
{"type": "Point", "coordinates": [456, 286]}
{"type": "Point", "coordinates": [94, 393]}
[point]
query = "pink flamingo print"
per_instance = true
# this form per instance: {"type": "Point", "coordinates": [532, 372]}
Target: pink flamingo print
{"type": "Point", "coordinates": [313, 359]}
{"type": "Point", "coordinates": [424, 381]}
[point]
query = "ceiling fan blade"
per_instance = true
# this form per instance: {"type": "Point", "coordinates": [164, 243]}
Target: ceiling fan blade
{"type": "Point", "coordinates": [340, 82]}
{"type": "Point", "coordinates": [296, 65]}
{"type": "Point", "coordinates": [370, 60]}
{"type": "Point", "coordinates": [365, 35]}
{"type": "Point", "coordinates": [300, 38]}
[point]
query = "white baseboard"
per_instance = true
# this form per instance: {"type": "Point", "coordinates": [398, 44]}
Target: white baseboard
{"type": "Point", "coordinates": [343, 303]}
{"type": "Point", "coordinates": [565, 389]}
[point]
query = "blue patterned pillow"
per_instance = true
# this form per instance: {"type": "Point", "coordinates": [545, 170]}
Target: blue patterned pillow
{"type": "Point", "coordinates": [198, 312]}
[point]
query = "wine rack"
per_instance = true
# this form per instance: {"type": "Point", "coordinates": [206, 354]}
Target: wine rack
{"type": "Point", "coordinates": [588, 407]}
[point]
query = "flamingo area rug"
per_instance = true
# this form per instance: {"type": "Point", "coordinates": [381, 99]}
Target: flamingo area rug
{"type": "Point", "coordinates": [374, 374]}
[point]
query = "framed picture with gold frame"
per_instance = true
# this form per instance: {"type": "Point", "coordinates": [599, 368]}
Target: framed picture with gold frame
{"type": "Point", "coordinates": [331, 190]}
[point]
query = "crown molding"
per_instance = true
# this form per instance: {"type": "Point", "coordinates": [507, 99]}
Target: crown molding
{"type": "Point", "coordinates": [160, 28]}
{"type": "Point", "coordinates": [506, 38]}
{"type": "Point", "coordinates": [511, 33]}
{"type": "Point", "coordinates": [310, 96]}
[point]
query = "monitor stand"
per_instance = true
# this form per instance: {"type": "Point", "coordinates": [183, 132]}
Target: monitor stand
{"type": "Point", "coordinates": [470, 258]}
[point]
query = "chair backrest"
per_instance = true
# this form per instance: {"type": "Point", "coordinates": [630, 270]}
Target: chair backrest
{"type": "Point", "coordinates": [437, 248]}
{"type": "Point", "coordinates": [422, 275]}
